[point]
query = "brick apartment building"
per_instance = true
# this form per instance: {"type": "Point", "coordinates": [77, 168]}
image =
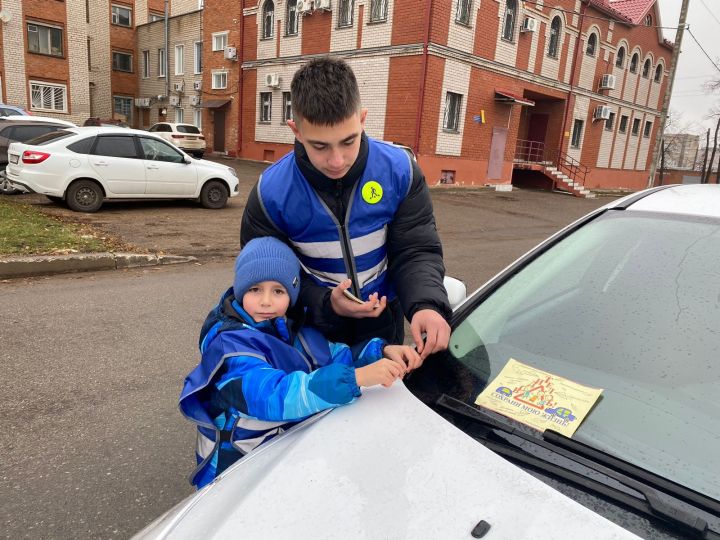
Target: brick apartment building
{"type": "Point", "coordinates": [74, 59]}
{"type": "Point", "coordinates": [481, 89]}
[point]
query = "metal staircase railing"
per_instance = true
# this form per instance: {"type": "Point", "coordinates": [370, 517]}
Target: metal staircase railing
{"type": "Point", "coordinates": [535, 152]}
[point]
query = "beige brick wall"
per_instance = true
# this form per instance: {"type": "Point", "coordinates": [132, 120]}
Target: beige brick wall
{"type": "Point", "coordinates": [16, 88]}
{"type": "Point", "coordinates": [277, 130]}
{"type": "Point", "coordinates": [343, 39]}
{"type": "Point", "coordinates": [571, 51]}
{"type": "Point", "coordinates": [79, 83]}
{"type": "Point", "coordinates": [372, 76]}
{"type": "Point", "coordinates": [588, 63]}
{"type": "Point", "coordinates": [179, 7]}
{"type": "Point", "coordinates": [631, 79]}
{"type": "Point", "coordinates": [455, 79]}
{"type": "Point", "coordinates": [642, 154]}
{"type": "Point", "coordinates": [183, 30]}
{"type": "Point", "coordinates": [140, 12]}
{"type": "Point", "coordinates": [606, 141]}
{"type": "Point", "coordinates": [654, 98]}
{"type": "Point", "coordinates": [534, 46]}
{"type": "Point", "coordinates": [290, 45]}
{"type": "Point", "coordinates": [506, 51]}
{"type": "Point", "coordinates": [265, 47]}
{"type": "Point", "coordinates": [633, 141]}
{"type": "Point", "coordinates": [100, 59]}
{"type": "Point", "coordinates": [580, 112]}
{"type": "Point", "coordinates": [551, 66]}
{"type": "Point", "coordinates": [378, 34]}
{"type": "Point", "coordinates": [619, 72]}
{"type": "Point", "coordinates": [460, 36]}
{"type": "Point", "coordinates": [643, 85]}
{"type": "Point", "coordinates": [620, 139]}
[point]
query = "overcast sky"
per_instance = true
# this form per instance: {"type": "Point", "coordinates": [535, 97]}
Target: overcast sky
{"type": "Point", "coordinates": [689, 98]}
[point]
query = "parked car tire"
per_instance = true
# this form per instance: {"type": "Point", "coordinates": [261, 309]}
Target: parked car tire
{"type": "Point", "coordinates": [214, 194]}
{"type": "Point", "coordinates": [198, 155]}
{"type": "Point", "coordinates": [5, 187]}
{"type": "Point", "coordinates": [56, 200]}
{"type": "Point", "coordinates": [84, 196]}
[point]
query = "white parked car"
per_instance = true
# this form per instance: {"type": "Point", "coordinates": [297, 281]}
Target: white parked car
{"type": "Point", "coordinates": [185, 136]}
{"type": "Point", "coordinates": [86, 165]}
{"type": "Point", "coordinates": [626, 299]}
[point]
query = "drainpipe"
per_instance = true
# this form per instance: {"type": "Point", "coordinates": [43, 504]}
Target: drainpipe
{"type": "Point", "coordinates": [578, 41]}
{"type": "Point", "coordinates": [240, 83]}
{"type": "Point", "coordinates": [167, 52]}
{"type": "Point", "coordinates": [421, 97]}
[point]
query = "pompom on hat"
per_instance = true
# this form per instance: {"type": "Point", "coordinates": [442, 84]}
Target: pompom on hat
{"type": "Point", "coordinates": [267, 259]}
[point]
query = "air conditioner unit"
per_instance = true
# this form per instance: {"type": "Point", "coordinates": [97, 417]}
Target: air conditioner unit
{"type": "Point", "coordinates": [529, 25]}
{"type": "Point", "coordinates": [230, 53]}
{"type": "Point", "coordinates": [197, 85]}
{"type": "Point", "coordinates": [602, 112]}
{"type": "Point", "coordinates": [272, 80]}
{"type": "Point", "coordinates": [194, 100]}
{"type": "Point", "coordinates": [178, 86]}
{"type": "Point", "coordinates": [607, 82]}
{"type": "Point", "coordinates": [322, 4]}
{"type": "Point", "coordinates": [174, 101]}
{"type": "Point", "coordinates": [142, 102]}
{"type": "Point", "coordinates": [303, 6]}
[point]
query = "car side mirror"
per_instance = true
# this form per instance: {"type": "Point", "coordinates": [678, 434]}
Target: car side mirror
{"type": "Point", "coordinates": [457, 292]}
{"type": "Point", "coordinates": [187, 160]}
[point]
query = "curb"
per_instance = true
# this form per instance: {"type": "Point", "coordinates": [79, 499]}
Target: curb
{"type": "Point", "coordinates": [14, 267]}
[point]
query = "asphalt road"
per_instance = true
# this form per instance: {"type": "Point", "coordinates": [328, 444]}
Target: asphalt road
{"type": "Point", "coordinates": [92, 443]}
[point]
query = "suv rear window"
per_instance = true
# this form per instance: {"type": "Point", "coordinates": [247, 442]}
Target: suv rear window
{"type": "Point", "coordinates": [188, 129]}
{"type": "Point", "coordinates": [50, 137]}
{"type": "Point", "coordinates": [27, 133]}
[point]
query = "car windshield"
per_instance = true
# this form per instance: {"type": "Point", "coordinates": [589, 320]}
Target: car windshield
{"type": "Point", "coordinates": [50, 137]}
{"type": "Point", "coordinates": [187, 129]}
{"type": "Point", "coordinates": [629, 303]}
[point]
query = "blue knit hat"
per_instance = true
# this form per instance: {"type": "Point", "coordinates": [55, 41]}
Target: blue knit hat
{"type": "Point", "coordinates": [267, 259]}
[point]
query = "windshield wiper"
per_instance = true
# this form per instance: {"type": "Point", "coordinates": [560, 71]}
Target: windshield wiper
{"type": "Point", "coordinates": [653, 505]}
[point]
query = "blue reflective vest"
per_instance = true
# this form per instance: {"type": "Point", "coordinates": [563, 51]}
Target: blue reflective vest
{"type": "Point", "coordinates": [331, 251]}
{"type": "Point", "coordinates": [285, 379]}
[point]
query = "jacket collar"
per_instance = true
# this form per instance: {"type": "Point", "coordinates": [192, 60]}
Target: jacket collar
{"type": "Point", "coordinates": [319, 181]}
{"type": "Point", "coordinates": [278, 327]}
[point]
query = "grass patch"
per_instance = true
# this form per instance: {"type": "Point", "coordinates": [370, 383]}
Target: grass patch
{"type": "Point", "coordinates": [25, 230]}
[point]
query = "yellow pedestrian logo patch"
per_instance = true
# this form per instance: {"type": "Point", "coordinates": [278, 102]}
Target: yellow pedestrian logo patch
{"type": "Point", "coordinates": [372, 192]}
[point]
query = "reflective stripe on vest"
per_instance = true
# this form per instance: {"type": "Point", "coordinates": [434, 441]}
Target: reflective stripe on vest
{"type": "Point", "coordinates": [320, 241]}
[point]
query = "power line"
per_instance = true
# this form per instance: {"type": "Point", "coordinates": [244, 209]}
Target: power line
{"type": "Point", "coordinates": [710, 12]}
{"type": "Point", "coordinates": [702, 49]}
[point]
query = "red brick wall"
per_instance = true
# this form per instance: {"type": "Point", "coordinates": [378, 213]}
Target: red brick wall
{"type": "Point", "coordinates": [523, 50]}
{"type": "Point", "coordinates": [404, 80]}
{"type": "Point", "coordinates": [44, 67]}
{"type": "Point", "coordinates": [440, 26]}
{"type": "Point", "coordinates": [410, 21]}
{"type": "Point", "coordinates": [431, 105]}
{"type": "Point", "coordinates": [316, 33]}
{"type": "Point", "coordinates": [486, 34]}
{"type": "Point", "coordinates": [123, 40]}
{"type": "Point", "coordinates": [541, 48]}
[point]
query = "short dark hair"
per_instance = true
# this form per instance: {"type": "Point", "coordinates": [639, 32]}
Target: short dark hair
{"type": "Point", "coordinates": [325, 92]}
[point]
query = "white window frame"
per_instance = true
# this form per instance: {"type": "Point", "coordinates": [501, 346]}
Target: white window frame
{"type": "Point", "coordinates": [219, 40]}
{"type": "Point", "coordinates": [267, 28]}
{"type": "Point", "coordinates": [161, 63]}
{"type": "Point", "coordinates": [379, 9]}
{"type": "Point", "coordinates": [287, 107]}
{"type": "Point", "coordinates": [127, 99]}
{"type": "Point", "coordinates": [265, 107]}
{"type": "Point", "coordinates": [577, 133]}
{"type": "Point", "coordinates": [152, 17]}
{"type": "Point", "coordinates": [451, 119]}
{"type": "Point", "coordinates": [42, 86]}
{"type": "Point", "coordinates": [146, 64]}
{"type": "Point", "coordinates": [292, 18]}
{"type": "Point", "coordinates": [463, 12]}
{"type": "Point", "coordinates": [595, 44]}
{"type": "Point", "coordinates": [555, 33]}
{"type": "Point", "coordinates": [509, 21]}
{"type": "Point", "coordinates": [179, 115]}
{"type": "Point", "coordinates": [346, 9]}
{"type": "Point", "coordinates": [223, 74]}
{"type": "Point", "coordinates": [48, 41]}
{"type": "Point", "coordinates": [197, 118]}
{"type": "Point", "coordinates": [115, 18]}
{"type": "Point", "coordinates": [180, 59]}
{"type": "Point", "coordinates": [197, 58]}
{"type": "Point", "coordinates": [647, 130]}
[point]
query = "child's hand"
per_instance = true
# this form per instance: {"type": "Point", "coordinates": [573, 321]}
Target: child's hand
{"type": "Point", "coordinates": [383, 372]}
{"type": "Point", "coordinates": [345, 307]}
{"type": "Point", "coordinates": [404, 355]}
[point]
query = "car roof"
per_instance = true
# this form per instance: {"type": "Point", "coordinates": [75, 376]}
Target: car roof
{"type": "Point", "coordinates": [684, 199]}
{"type": "Point", "coordinates": [109, 130]}
{"type": "Point", "coordinates": [5, 121]}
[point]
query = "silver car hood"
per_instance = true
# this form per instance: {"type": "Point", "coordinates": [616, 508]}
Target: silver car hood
{"type": "Point", "coordinates": [384, 467]}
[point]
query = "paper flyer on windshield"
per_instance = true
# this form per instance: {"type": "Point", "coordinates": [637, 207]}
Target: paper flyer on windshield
{"type": "Point", "coordinates": [538, 399]}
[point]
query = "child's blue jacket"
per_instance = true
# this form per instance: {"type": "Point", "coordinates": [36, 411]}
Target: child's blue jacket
{"type": "Point", "coordinates": [257, 379]}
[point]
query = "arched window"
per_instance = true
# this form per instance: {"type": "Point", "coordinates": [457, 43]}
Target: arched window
{"type": "Point", "coordinates": [345, 13]}
{"type": "Point", "coordinates": [658, 73]}
{"type": "Point", "coordinates": [591, 44]}
{"type": "Point", "coordinates": [555, 28]}
{"type": "Point", "coordinates": [268, 20]}
{"type": "Point", "coordinates": [620, 58]}
{"type": "Point", "coordinates": [508, 31]}
{"type": "Point", "coordinates": [646, 69]}
{"type": "Point", "coordinates": [634, 63]}
{"type": "Point", "coordinates": [648, 20]}
{"type": "Point", "coordinates": [291, 19]}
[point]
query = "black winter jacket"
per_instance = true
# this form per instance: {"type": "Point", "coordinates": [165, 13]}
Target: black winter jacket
{"type": "Point", "coordinates": [415, 258]}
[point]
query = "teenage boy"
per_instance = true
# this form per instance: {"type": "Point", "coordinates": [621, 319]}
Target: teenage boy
{"type": "Point", "coordinates": [359, 215]}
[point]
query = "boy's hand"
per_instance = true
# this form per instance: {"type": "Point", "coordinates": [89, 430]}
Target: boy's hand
{"type": "Point", "coordinates": [383, 372]}
{"type": "Point", "coordinates": [345, 307]}
{"type": "Point", "coordinates": [404, 355]}
{"type": "Point", "coordinates": [436, 329]}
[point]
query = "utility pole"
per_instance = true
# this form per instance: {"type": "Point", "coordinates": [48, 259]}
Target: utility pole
{"type": "Point", "coordinates": [167, 51]}
{"type": "Point", "coordinates": [668, 93]}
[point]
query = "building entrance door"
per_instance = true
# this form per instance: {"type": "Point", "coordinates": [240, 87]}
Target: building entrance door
{"type": "Point", "coordinates": [219, 131]}
{"type": "Point", "coordinates": [537, 130]}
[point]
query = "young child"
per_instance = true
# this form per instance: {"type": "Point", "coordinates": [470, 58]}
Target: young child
{"type": "Point", "coordinates": [261, 373]}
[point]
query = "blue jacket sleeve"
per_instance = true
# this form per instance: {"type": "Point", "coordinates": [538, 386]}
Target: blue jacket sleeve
{"type": "Point", "coordinates": [363, 353]}
{"type": "Point", "coordinates": [254, 388]}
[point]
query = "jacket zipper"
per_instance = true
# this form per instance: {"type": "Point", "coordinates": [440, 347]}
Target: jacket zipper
{"type": "Point", "coordinates": [346, 246]}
